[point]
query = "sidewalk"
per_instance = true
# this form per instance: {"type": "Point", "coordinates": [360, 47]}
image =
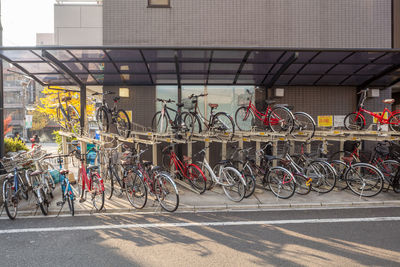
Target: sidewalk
{"type": "Point", "coordinates": [216, 200]}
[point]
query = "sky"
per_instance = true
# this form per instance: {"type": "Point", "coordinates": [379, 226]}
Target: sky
{"type": "Point", "coordinates": [22, 19]}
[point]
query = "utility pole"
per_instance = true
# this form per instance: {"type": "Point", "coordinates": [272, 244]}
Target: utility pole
{"type": "Point", "coordinates": [1, 95]}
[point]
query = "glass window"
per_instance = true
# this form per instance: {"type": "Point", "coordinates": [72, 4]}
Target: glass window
{"type": "Point", "coordinates": [159, 3]}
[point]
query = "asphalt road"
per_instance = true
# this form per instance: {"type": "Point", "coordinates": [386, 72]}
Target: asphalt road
{"type": "Point", "coordinates": [347, 237]}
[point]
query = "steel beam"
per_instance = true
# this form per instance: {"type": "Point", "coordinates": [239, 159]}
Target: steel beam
{"type": "Point", "coordinates": [282, 69]}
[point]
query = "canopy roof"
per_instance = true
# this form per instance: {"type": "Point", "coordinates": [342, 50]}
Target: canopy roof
{"type": "Point", "coordinates": [119, 66]}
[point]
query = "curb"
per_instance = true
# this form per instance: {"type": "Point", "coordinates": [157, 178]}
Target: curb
{"type": "Point", "coordinates": [224, 208]}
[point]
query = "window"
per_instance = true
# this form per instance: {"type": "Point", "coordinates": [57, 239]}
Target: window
{"type": "Point", "coordinates": [159, 3]}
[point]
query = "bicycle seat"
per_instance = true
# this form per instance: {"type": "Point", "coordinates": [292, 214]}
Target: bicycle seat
{"type": "Point", "coordinates": [147, 163]}
{"type": "Point", "coordinates": [186, 158]}
{"type": "Point", "coordinates": [93, 167]}
{"type": "Point", "coordinates": [36, 173]}
{"type": "Point", "coordinates": [269, 158]}
{"type": "Point", "coordinates": [116, 98]}
{"type": "Point", "coordinates": [179, 105]}
{"type": "Point", "coordinates": [213, 105]}
{"type": "Point", "coordinates": [388, 101]}
{"type": "Point", "coordinates": [64, 171]}
{"type": "Point", "coordinates": [66, 98]}
{"type": "Point", "coordinates": [348, 160]}
{"type": "Point", "coordinates": [270, 102]}
{"type": "Point", "coordinates": [225, 161]}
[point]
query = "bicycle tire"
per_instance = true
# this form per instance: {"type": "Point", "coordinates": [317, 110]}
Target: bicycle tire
{"type": "Point", "coordinates": [278, 178]}
{"type": "Point", "coordinates": [197, 123]}
{"type": "Point", "coordinates": [98, 195]}
{"type": "Point", "coordinates": [280, 119]}
{"type": "Point", "coordinates": [135, 190]}
{"type": "Point", "coordinates": [210, 182]}
{"type": "Point", "coordinates": [123, 123]}
{"type": "Point", "coordinates": [233, 184]}
{"type": "Point", "coordinates": [303, 125]}
{"type": "Point", "coordinates": [249, 177]}
{"type": "Point", "coordinates": [389, 169]}
{"type": "Point", "coordinates": [165, 186]}
{"type": "Point", "coordinates": [74, 120]}
{"type": "Point", "coordinates": [394, 122]}
{"type": "Point", "coordinates": [341, 168]}
{"type": "Point", "coordinates": [187, 123]}
{"type": "Point", "coordinates": [352, 122]}
{"type": "Point", "coordinates": [23, 188]}
{"type": "Point", "coordinates": [199, 181]}
{"type": "Point", "coordinates": [108, 179]}
{"type": "Point", "coordinates": [8, 200]}
{"type": "Point", "coordinates": [244, 119]}
{"type": "Point", "coordinates": [70, 200]}
{"type": "Point", "coordinates": [323, 176]}
{"type": "Point", "coordinates": [44, 205]}
{"type": "Point", "coordinates": [303, 184]}
{"type": "Point", "coordinates": [102, 119]}
{"type": "Point", "coordinates": [159, 123]}
{"type": "Point", "coordinates": [355, 177]}
{"type": "Point", "coordinates": [80, 183]}
{"type": "Point", "coordinates": [222, 122]}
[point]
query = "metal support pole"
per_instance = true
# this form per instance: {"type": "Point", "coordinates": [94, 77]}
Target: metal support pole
{"type": "Point", "coordinates": [83, 108]}
{"type": "Point", "coordinates": [207, 144]}
{"type": "Point", "coordinates": [258, 147]}
{"type": "Point", "coordinates": [2, 152]}
{"type": "Point", "coordinates": [274, 152]}
{"type": "Point", "coordinates": [64, 150]}
{"type": "Point", "coordinates": [189, 151]}
{"type": "Point", "coordinates": [155, 154]}
{"type": "Point", "coordinates": [223, 151]}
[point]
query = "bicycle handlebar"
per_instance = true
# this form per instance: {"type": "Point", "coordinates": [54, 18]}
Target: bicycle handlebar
{"type": "Point", "coordinates": [363, 91]}
{"type": "Point", "coordinates": [166, 101]}
{"type": "Point", "coordinates": [105, 93]}
{"type": "Point", "coordinates": [196, 96]}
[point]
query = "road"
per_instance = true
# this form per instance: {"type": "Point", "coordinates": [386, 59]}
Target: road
{"type": "Point", "coordinates": [356, 236]}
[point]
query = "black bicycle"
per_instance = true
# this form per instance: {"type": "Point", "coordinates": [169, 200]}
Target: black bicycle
{"type": "Point", "coordinates": [182, 122]}
{"type": "Point", "coordinates": [218, 122]}
{"type": "Point", "coordinates": [118, 117]}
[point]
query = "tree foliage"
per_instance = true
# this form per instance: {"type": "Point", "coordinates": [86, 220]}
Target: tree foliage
{"type": "Point", "coordinates": [39, 120]}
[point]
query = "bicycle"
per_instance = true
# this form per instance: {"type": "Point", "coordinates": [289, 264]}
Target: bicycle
{"type": "Point", "coordinates": [182, 122]}
{"type": "Point", "coordinates": [89, 180]}
{"type": "Point", "coordinates": [119, 117]}
{"type": "Point", "coordinates": [67, 117]}
{"type": "Point", "coordinates": [158, 182]}
{"type": "Point", "coordinates": [278, 118]}
{"type": "Point", "coordinates": [190, 172]}
{"type": "Point", "coordinates": [218, 122]}
{"type": "Point", "coordinates": [356, 120]}
{"type": "Point", "coordinates": [133, 185]}
{"type": "Point", "coordinates": [231, 180]}
{"type": "Point", "coordinates": [13, 186]}
{"type": "Point", "coordinates": [67, 194]}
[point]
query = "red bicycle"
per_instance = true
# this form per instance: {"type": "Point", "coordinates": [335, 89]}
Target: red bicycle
{"type": "Point", "coordinates": [278, 118]}
{"type": "Point", "coordinates": [89, 181]}
{"type": "Point", "coordinates": [191, 171]}
{"type": "Point", "coordinates": [356, 120]}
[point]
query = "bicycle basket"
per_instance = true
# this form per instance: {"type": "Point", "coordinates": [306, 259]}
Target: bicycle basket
{"type": "Point", "coordinates": [243, 99]}
{"type": "Point", "coordinates": [189, 103]}
{"type": "Point", "coordinates": [382, 150]}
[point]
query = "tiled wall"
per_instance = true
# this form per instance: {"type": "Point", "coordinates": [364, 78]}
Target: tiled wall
{"type": "Point", "coordinates": [283, 23]}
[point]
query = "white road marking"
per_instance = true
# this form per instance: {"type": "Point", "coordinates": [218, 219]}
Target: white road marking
{"type": "Point", "coordinates": [195, 224]}
{"type": "Point", "coordinates": [97, 214]}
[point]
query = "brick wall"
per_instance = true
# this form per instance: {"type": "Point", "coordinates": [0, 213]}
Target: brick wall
{"type": "Point", "coordinates": [281, 23]}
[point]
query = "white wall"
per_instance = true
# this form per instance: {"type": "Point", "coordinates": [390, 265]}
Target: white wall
{"type": "Point", "coordinates": [78, 24]}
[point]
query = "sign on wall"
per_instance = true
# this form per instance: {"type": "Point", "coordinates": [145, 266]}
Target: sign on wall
{"type": "Point", "coordinates": [338, 121]}
{"type": "Point", "coordinates": [325, 121]}
{"type": "Point", "coordinates": [28, 121]}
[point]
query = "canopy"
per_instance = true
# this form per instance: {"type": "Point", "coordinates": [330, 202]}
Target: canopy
{"type": "Point", "coordinates": [130, 66]}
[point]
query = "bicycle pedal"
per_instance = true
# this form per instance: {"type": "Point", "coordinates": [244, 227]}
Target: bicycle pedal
{"type": "Point", "coordinates": [60, 203]}
{"type": "Point", "coordinates": [81, 200]}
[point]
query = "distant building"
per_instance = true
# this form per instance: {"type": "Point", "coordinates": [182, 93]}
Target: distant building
{"type": "Point", "coordinates": [44, 39]}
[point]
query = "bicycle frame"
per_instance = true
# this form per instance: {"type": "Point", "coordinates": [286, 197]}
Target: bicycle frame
{"type": "Point", "coordinates": [380, 118]}
{"type": "Point", "coordinates": [262, 116]}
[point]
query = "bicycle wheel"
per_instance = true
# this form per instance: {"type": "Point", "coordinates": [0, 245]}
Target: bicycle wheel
{"type": "Point", "coordinates": [196, 178]}
{"type": "Point", "coordinates": [23, 188]}
{"type": "Point", "coordinates": [280, 120]}
{"type": "Point", "coordinates": [74, 120]}
{"type": "Point", "coordinates": [244, 119]}
{"type": "Point", "coordinates": [303, 125]}
{"type": "Point", "coordinates": [70, 200]}
{"type": "Point", "coordinates": [248, 175]}
{"type": "Point", "coordinates": [323, 176]}
{"type": "Point", "coordinates": [389, 169]}
{"type": "Point", "coordinates": [108, 181]}
{"type": "Point", "coordinates": [185, 122]}
{"type": "Point", "coordinates": [159, 123]}
{"type": "Point", "coordinates": [340, 168]}
{"type": "Point", "coordinates": [394, 122]}
{"type": "Point", "coordinates": [10, 201]}
{"type": "Point", "coordinates": [80, 183]}
{"type": "Point", "coordinates": [207, 174]}
{"type": "Point", "coordinates": [343, 155]}
{"type": "Point", "coordinates": [43, 203]}
{"type": "Point", "coordinates": [222, 122]}
{"type": "Point", "coordinates": [166, 192]}
{"type": "Point", "coordinates": [303, 184]}
{"type": "Point", "coordinates": [281, 182]}
{"type": "Point", "coordinates": [123, 123]}
{"type": "Point", "coordinates": [102, 119]}
{"type": "Point", "coordinates": [354, 121]}
{"type": "Point", "coordinates": [196, 122]}
{"type": "Point", "coordinates": [97, 192]}
{"type": "Point", "coordinates": [233, 184]}
{"type": "Point", "coordinates": [135, 189]}
{"type": "Point", "coordinates": [364, 179]}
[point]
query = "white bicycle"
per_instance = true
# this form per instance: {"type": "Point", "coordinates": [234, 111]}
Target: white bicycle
{"type": "Point", "coordinates": [228, 177]}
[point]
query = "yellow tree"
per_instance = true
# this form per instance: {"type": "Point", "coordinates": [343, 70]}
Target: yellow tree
{"type": "Point", "coordinates": [49, 104]}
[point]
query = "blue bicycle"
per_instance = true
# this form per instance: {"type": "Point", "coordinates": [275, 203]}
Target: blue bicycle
{"type": "Point", "coordinates": [67, 194]}
{"type": "Point", "coordinates": [13, 187]}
